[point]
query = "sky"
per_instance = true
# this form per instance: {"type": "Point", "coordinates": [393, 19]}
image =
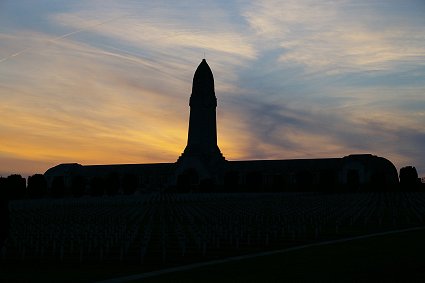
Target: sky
{"type": "Point", "coordinates": [108, 82]}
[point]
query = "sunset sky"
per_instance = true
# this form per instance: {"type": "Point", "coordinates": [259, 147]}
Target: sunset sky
{"type": "Point", "coordinates": [102, 82]}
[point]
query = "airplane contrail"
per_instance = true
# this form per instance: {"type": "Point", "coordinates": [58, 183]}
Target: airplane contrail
{"type": "Point", "coordinates": [133, 57]}
{"type": "Point", "coordinates": [14, 55]}
{"type": "Point", "coordinates": [56, 39]}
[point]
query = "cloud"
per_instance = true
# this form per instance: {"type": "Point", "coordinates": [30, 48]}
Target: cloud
{"type": "Point", "coordinates": [335, 77]}
{"type": "Point", "coordinates": [151, 29]}
{"type": "Point", "coordinates": [338, 36]}
{"type": "Point", "coordinates": [86, 108]}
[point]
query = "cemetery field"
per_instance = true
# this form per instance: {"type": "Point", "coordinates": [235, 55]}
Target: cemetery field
{"type": "Point", "coordinates": [398, 257]}
{"type": "Point", "coordinates": [90, 238]}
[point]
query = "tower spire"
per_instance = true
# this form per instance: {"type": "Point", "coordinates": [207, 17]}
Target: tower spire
{"type": "Point", "coordinates": [202, 135]}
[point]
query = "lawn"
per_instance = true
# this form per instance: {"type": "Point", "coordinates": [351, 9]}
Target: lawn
{"type": "Point", "coordinates": [390, 258]}
{"type": "Point", "coordinates": [396, 257]}
{"type": "Point", "coordinates": [92, 239]}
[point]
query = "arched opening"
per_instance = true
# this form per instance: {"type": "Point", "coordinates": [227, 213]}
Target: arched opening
{"type": "Point", "coordinates": [188, 180]}
{"type": "Point", "coordinates": [327, 181]}
{"type": "Point", "coordinates": [254, 181]}
{"type": "Point", "coordinates": [353, 180]}
{"type": "Point", "coordinates": [278, 183]}
{"type": "Point", "coordinates": [304, 181]}
{"type": "Point", "coordinates": [231, 181]}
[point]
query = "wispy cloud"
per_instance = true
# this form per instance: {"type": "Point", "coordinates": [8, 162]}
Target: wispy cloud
{"type": "Point", "coordinates": [86, 108]}
{"type": "Point", "coordinates": [340, 36]}
{"type": "Point", "coordinates": [340, 77]}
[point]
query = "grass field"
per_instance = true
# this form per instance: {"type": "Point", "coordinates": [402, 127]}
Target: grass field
{"type": "Point", "coordinates": [91, 239]}
{"type": "Point", "coordinates": [390, 258]}
{"type": "Point", "coordinates": [396, 257]}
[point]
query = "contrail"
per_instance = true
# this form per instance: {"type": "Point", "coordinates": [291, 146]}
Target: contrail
{"type": "Point", "coordinates": [86, 28]}
{"type": "Point", "coordinates": [56, 39]}
{"type": "Point", "coordinates": [14, 55]}
{"type": "Point", "coordinates": [132, 57]}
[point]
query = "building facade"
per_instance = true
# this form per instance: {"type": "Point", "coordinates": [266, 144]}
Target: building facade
{"type": "Point", "coordinates": [202, 167]}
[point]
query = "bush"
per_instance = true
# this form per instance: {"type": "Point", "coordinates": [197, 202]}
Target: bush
{"type": "Point", "coordinates": [37, 186]}
{"type": "Point", "coordinates": [4, 193]}
{"type": "Point", "coordinates": [409, 179]}
{"type": "Point", "coordinates": [16, 186]}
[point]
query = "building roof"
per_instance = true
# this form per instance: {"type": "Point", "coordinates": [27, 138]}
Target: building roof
{"type": "Point", "coordinates": [101, 170]}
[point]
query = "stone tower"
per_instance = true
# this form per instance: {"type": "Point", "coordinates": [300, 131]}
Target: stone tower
{"type": "Point", "coordinates": [202, 152]}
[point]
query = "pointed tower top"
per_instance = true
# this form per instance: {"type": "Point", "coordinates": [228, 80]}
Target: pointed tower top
{"type": "Point", "coordinates": [203, 77]}
{"type": "Point", "coordinates": [203, 68]}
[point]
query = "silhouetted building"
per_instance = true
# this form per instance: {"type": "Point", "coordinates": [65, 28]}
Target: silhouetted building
{"type": "Point", "coordinates": [202, 167]}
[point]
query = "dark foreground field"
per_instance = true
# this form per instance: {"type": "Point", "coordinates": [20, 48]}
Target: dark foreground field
{"type": "Point", "coordinates": [397, 257]}
{"type": "Point", "coordinates": [99, 238]}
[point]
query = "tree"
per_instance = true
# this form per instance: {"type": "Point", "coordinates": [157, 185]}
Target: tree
{"type": "Point", "coordinates": [409, 178]}
{"type": "Point", "coordinates": [37, 186]}
{"type": "Point", "coordinates": [4, 192]}
{"type": "Point", "coordinates": [16, 186]}
{"type": "Point", "coordinates": [4, 211]}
